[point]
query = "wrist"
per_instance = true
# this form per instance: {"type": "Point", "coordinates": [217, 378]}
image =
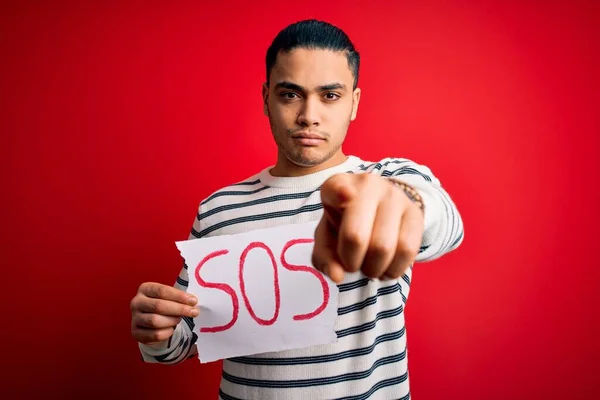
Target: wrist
{"type": "Point", "coordinates": [410, 192]}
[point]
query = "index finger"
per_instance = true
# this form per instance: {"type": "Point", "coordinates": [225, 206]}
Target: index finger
{"type": "Point", "coordinates": [355, 232]}
{"type": "Point", "coordinates": [165, 292]}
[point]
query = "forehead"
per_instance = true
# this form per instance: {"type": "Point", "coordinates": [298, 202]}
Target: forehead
{"type": "Point", "coordinates": [312, 67]}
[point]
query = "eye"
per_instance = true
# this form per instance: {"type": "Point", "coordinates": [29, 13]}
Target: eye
{"type": "Point", "coordinates": [332, 96]}
{"type": "Point", "coordinates": [289, 95]}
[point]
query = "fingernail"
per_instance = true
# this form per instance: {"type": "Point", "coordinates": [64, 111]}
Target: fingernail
{"type": "Point", "coordinates": [194, 312]}
{"type": "Point", "coordinates": [192, 300]}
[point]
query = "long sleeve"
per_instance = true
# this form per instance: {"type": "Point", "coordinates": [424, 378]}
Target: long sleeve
{"type": "Point", "coordinates": [182, 345]}
{"type": "Point", "coordinates": [444, 230]}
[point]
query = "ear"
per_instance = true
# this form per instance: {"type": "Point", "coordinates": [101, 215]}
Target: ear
{"type": "Point", "coordinates": [355, 101]}
{"type": "Point", "coordinates": [265, 95]}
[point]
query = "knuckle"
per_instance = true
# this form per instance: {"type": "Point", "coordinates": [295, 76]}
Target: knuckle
{"type": "Point", "coordinates": [371, 177]}
{"type": "Point", "coordinates": [362, 177]}
{"type": "Point", "coordinates": [151, 320]}
{"type": "Point", "coordinates": [370, 180]}
{"type": "Point", "coordinates": [162, 334]}
{"type": "Point", "coordinates": [134, 304]}
{"type": "Point", "coordinates": [394, 274]}
{"type": "Point", "coordinates": [136, 335]}
{"type": "Point", "coordinates": [160, 292]}
{"type": "Point", "coordinates": [407, 251]}
{"type": "Point", "coordinates": [382, 247]}
{"type": "Point", "coordinates": [143, 287]}
{"type": "Point", "coordinates": [154, 307]}
{"type": "Point", "coordinates": [354, 237]}
{"type": "Point", "coordinates": [183, 310]}
{"type": "Point", "coordinates": [332, 182]}
{"type": "Point", "coordinates": [371, 272]}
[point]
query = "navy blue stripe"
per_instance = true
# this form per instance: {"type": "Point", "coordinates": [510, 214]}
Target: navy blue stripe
{"type": "Point", "coordinates": [362, 167]}
{"type": "Point", "coordinates": [265, 200]}
{"type": "Point", "coordinates": [409, 171]}
{"type": "Point", "coordinates": [190, 322]}
{"type": "Point", "coordinates": [233, 193]}
{"type": "Point", "coordinates": [225, 396]}
{"type": "Point", "coordinates": [379, 385]}
{"type": "Point", "coordinates": [165, 357]}
{"type": "Point", "coordinates": [458, 239]}
{"type": "Point", "coordinates": [344, 287]}
{"type": "Point", "coordinates": [369, 301]}
{"type": "Point", "coordinates": [370, 325]}
{"type": "Point", "coordinates": [191, 345]}
{"type": "Point", "coordinates": [394, 172]}
{"type": "Point", "coordinates": [246, 183]}
{"type": "Point", "coordinates": [182, 282]}
{"type": "Point", "coordinates": [330, 380]}
{"type": "Point", "coordinates": [406, 279]}
{"type": "Point", "coordinates": [186, 346]}
{"type": "Point", "coordinates": [259, 217]}
{"type": "Point", "coordinates": [455, 217]}
{"type": "Point", "coordinates": [449, 222]}
{"type": "Point", "coordinates": [378, 166]}
{"type": "Point", "coordinates": [323, 358]}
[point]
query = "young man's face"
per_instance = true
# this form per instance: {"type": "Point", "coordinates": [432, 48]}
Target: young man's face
{"type": "Point", "coordinates": [310, 102]}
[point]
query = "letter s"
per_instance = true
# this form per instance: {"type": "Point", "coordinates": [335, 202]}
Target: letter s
{"type": "Point", "coordinates": [220, 286]}
{"type": "Point", "coordinates": [308, 269]}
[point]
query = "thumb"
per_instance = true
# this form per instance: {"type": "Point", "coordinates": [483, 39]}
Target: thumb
{"type": "Point", "coordinates": [324, 257]}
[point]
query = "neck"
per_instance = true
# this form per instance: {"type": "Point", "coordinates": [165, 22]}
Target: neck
{"type": "Point", "coordinates": [286, 168]}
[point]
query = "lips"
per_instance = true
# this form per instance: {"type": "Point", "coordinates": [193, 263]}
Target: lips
{"type": "Point", "coordinates": [308, 139]}
{"type": "Point", "coordinates": [307, 135]}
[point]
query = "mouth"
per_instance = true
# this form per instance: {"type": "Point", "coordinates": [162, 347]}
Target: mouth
{"type": "Point", "coordinates": [307, 135]}
{"type": "Point", "coordinates": [308, 138]}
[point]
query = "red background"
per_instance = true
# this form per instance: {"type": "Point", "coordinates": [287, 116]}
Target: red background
{"type": "Point", "coordinates": [118, 118]}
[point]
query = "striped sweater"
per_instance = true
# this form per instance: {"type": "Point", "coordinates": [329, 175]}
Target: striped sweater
{"type": "Point", "coordinates": [369, 360]}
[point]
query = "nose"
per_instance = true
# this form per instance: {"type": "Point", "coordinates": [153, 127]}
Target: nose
{"type": "Point", "coordinates": [309, 114]}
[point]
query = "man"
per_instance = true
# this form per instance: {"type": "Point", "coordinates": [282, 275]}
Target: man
{"type": "Point", "coordinates": [375, 220]}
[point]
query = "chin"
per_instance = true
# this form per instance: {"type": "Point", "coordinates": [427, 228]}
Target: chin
{"type": "Point", "coordinates": [308, 159]}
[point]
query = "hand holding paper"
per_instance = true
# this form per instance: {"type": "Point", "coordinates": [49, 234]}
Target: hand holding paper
{"type": "Point", "coordinates": [157, 309]}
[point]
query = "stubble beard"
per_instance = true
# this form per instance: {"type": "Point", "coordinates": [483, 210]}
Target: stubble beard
{"type": "Point", "coordinates": [297, 157]}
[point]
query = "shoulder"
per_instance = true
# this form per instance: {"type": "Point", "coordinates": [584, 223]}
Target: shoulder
{"type": "Point", "coordinates": [386, 164]}
{"type": "Point", "coordinates": [395, 166]}
{"type": "Point", "coordinates": [234, 192]}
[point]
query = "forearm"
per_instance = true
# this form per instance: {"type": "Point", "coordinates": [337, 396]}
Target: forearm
{"type": "Point", "coordinates": [181, 345]}
{"type": "Point", "coordinates": [443, 223]}
{"type": "Point", "coordinates": [178, 348]}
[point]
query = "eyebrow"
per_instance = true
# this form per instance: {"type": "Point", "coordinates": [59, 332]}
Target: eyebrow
{"type": "Point", "coordinates": [322, 88]}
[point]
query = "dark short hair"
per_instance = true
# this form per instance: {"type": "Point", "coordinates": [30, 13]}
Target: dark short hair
{"type": "Point", "coordinates": [313, 34]}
